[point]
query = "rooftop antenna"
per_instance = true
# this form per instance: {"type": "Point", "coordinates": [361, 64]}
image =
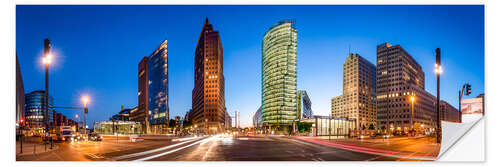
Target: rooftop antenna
{"type": "Point", "coordinates": [349, 48]}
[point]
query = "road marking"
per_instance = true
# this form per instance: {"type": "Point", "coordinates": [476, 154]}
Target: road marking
{"type": "Point", "coordinates": [95, 156]}
{"type": "Point", "coordinates": [149, 151]}
{"type": "Point", "coordinates": [175, 150]}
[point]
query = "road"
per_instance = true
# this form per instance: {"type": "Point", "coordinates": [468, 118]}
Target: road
{"type": "Point", "coordinates": [209, 148]}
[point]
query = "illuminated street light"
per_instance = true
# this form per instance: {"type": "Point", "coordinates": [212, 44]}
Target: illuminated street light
{"type": "Point", "coordinates": [412, 99]}
{"type": "Point", "coordinates": [47, 59]}
{"type": "Point", "coordinates": [85, 100]}
{"type": "Point", "coordinates": [438, 69]}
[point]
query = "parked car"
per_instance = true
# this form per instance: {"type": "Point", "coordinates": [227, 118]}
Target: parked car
{"type": "Point", "coordinates": [94, 137]}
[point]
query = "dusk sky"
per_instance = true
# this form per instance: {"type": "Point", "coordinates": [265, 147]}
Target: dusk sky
{"type": "Point", "coordinates": [97, 49]}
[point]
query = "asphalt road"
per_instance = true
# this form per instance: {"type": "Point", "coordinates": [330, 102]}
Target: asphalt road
{"type": "Point", "coordinates": [210, 148]}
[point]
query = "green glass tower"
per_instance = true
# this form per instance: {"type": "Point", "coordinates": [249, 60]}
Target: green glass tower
{"type": "Point", "coordinates": [279, 75]}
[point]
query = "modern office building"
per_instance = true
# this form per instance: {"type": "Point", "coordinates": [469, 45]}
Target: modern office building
{"type": "Point", "coordinates": [338, 106]}
{"type": "Point", "coordinates": [448, 112]}
{"type": "Point", "coordinates": [158, 116]}
{"type": "Point", "coordinates": [35, 108]}
{"type": "Point", "coordinates": [304, 110]}
{"type": "Point", "coordinates": [153, 109]}
{"type": "Point", "coordinates": [237, 119]}
{"type": "Point", "coordinates": [228, 121]}
{"type": "Point", "coordinates": [20, 105]}
{"type": "Point", "coordinates": [208, 102]}
{"type": "Point", "coordinates": [279, 76]}
{"type": "Point", "coordinates": [123, 115]}
{"type": "Point", "coordinates": [141, 115]}
{"type": "Point", "coordinates": [257, 118]}
{"type": "Point", "coordinates": [358, 92]}
{"type": "Point", "coordinates": [399, 77]}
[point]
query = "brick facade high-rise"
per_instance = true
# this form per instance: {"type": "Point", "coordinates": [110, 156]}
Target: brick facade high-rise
{"type": "Point", "coordinates": [208, 102]}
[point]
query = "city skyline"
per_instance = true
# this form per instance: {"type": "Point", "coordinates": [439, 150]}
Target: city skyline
{"type": "Point", "coordinates": [318, 50]}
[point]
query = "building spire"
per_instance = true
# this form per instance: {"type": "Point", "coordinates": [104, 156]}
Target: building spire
{"type": "Point", "coordinates": [206, 21]}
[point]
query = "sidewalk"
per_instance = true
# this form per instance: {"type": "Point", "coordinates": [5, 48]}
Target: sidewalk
{"type": "Point", "coordinates": [33, 148]}
{"type": "Point", "coordinates": [423, 148]}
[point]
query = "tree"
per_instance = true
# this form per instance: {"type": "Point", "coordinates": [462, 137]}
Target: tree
{"type": "Point", "coordinates": [372, 127]}
{"type": "Point", "coordinates": [171, 123]}
{"type": "Point", "coordinates": [304, 126]}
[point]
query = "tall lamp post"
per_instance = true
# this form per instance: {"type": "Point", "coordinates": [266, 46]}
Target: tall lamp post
{"type": "Point", "coordinates": [47, 59]}
{"type": "Point", "coordinates": [438, 70]}
{"type": "Point", "coordinates": [85, 100]}
{"type": "Point", "coordinates": [412, 99]}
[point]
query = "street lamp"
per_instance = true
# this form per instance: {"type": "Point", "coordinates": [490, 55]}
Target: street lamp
{"type": "Point", "coordinates": [412, 99]}
{"type": "Point", "coordinates": [438, 69]}
{"type": "Point", "coordinates": [85, 100]}
{"type": "Point", "coordinates": [47, 59]}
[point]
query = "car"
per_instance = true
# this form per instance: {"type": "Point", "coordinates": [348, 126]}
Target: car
{"type": "Point", "coordinates": [94, 137]}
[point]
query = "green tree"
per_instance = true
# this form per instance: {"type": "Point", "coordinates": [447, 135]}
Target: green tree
{"type": "Point", "coordinates": [372, 127]}
{"type": "Point", "coordinates": [304, 126]}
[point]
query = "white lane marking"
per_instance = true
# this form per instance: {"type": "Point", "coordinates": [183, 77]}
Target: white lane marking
{"type": "Point", "coordinates": [149, 151]}
{"type": "Point", "coordinates": [175, 150]}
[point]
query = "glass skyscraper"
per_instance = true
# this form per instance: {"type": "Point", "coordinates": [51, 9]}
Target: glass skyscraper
{"type": "Point", "coordinates": [279, 75]}
{"type": "Point", "coordinates": [304, 110]}
{"type": "Point", "coordinates": [158, 89]}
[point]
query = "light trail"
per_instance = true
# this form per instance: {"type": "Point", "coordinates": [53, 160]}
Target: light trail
{"type": "Point", "coordinates": [149, 151]}
{"type": "Point", "coordinates": [362, 149]}
{"type": "Point", "coordinates": [180, 148]}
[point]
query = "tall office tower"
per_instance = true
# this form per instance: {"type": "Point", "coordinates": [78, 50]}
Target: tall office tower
{"type": "Point", "coordinates": [279, 76]}
{"type": "Point", "coordinates": [237, 119]}
{"type": "Point", "coordinates": [158, 115]}
{"type": "Point", "coordinates": [153, 111]}
{"type": "Point", "coordinates": [358, 91]}
{"type": "Point", "coordinates": [208, 102]}
{"type": "Point", "coordinates": [399, 77]}
{"type": "Point", "coordinates": [142, 112]}
{"type": "Point", "coordinates": [304, 110]}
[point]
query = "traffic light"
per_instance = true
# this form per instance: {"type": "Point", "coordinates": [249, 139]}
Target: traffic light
{"type": "Point", "coordinates": [467, 89]}
{"type": "Point", "coordinates": [21, 121]}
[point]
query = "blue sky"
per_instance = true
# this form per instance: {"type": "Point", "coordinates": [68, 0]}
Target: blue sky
{"type": "Point", "coordinates": [97, 49]}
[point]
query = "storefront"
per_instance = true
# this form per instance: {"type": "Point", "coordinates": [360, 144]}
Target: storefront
{"type": "Point", "coordinates": [120, 127]}
{"type": "Point", "coordinates": [334, 126]}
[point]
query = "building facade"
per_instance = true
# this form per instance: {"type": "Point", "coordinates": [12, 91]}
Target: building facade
{"type": "Point", "coordinates": [158, 107]}
{"type": "Point", "coordinates": [257, 118]}
{"type": "Point", "coordinates": [153, 109]}
{"type": "Point", "coordinates": [358, 99]}
{"type": "Point", "coordinates": [20, 104]}
{"type": "Point", "coordinates": [304, 110]}
{"type": "Point", "coordinates": [448, 112]}
{"type": "Point", "coordinates": [208, 102]}
{"type": "Point", "coordinates": [35, 109]}
{"type": "Point", "coordinates": [399, 77]}
{"type": "Point", "coordinates": [279, 75]}
{"type": "Point", "coordinates": [142, 113]}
